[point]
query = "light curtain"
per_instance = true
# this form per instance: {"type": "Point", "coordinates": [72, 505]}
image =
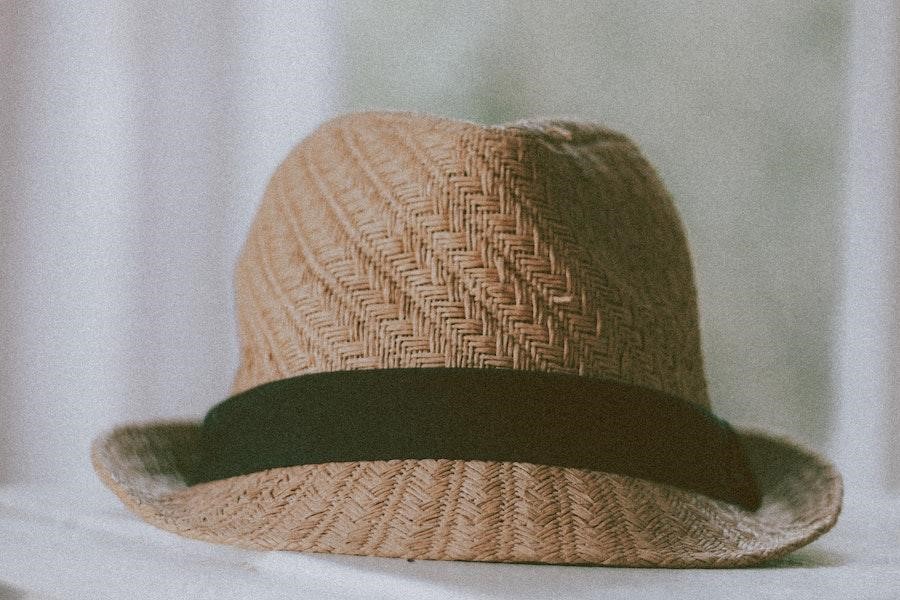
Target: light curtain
{"type": "Point", "coordinates": [137, 140]}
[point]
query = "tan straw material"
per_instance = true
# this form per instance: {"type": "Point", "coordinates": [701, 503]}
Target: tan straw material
{"type": "Point", "coordinates": [389, 240]}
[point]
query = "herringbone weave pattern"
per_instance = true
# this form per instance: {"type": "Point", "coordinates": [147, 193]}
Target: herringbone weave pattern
{"type": "Point", "coordinates": [396, 240]}
{"type": "Point", "coordinates": [401, 241]}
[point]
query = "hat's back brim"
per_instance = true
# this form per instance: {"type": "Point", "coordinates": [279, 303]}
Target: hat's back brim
{"type": "Point", "coordinates": [472, 510]}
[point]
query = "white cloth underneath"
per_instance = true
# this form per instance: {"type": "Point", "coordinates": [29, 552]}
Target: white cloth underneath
{"type": "Point", "coordinates": [55, 545]}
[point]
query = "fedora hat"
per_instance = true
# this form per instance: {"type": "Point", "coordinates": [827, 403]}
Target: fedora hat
{"type": "Point", "coordinates": [471, 343]}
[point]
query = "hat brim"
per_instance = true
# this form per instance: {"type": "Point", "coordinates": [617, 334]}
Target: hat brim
{"type": "Point", "coordinates": [472, 510]}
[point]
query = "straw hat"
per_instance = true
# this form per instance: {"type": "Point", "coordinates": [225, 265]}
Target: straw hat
{"type": "Point", "coordinates": [471, 343]}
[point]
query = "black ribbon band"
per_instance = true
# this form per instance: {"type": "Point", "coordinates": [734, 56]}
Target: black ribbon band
{"type": "Point", "coordinates": [476, 414]}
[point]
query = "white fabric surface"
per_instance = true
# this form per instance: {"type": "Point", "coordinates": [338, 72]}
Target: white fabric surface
{"type": "Point", "coordinates": [57, 546]}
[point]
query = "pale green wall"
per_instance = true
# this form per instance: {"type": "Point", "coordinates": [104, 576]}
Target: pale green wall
{"type": "Point", "coordinates": [738, 104]}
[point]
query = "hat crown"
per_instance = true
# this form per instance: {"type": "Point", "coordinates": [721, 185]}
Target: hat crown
{"type": "Point", "coordinates": [397, 240]}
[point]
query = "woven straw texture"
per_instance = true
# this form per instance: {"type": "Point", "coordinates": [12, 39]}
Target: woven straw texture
{"type": "Point", "coordinates": [402, 241]}
{"type": "Point", "coordinates": [467, 510]}
{"type": "Point", "coordinates": [397, 240]}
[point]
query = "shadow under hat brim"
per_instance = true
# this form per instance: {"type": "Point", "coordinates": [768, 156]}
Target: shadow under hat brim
{"type": "Point", "coordinates": [472, 510]}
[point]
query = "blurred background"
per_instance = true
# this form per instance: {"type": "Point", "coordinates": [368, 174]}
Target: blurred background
{"type": "Point", "coordinates": [136, 140]}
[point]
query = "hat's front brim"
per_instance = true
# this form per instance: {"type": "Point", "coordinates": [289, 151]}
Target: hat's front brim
{"type": "Point", "coordinates": [472, 510]}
